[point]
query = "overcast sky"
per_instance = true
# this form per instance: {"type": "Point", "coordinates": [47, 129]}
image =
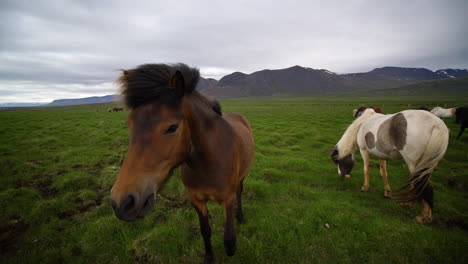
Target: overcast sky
{"type": "Point", "coordinates": [71, 49]}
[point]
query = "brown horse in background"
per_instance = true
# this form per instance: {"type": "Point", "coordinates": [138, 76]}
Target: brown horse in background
{"type": "Point", "coordinates": [171, 124]}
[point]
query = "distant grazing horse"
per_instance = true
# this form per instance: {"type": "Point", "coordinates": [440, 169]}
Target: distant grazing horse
{"type": "Point", "coordinates": [442, 112]}
{"type": "Point", "coordinates": [417, 136]}
{"type": "Point", "coordinates": [358, 112]}
{"type": "Point", "coordinates": [461, 117]}
{"type": "Point", "coordinates": [117, 109]}
{"type": "Point", "coordinates": [171, 124]}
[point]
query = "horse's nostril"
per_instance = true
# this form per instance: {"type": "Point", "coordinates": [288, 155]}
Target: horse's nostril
{"type": "Point", "coordinates": [129, 203]}
{"type": "Point", "coordinates": [148, 205]}
{"type": "Point", "coordinates": [149, 200]}
{"type": "Point", "coordinates": [133, 206]}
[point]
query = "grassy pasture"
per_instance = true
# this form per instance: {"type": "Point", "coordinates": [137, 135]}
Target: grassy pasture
{"type": "Point", "coordinates": [57, 165]}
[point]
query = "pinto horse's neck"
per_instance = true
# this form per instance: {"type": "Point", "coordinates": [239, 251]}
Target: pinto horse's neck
{"type": "Point", "coordinates": [348, 142]}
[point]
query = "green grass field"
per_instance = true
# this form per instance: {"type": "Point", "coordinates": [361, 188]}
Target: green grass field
{"type": "Point", "coordinates": [57, 165]}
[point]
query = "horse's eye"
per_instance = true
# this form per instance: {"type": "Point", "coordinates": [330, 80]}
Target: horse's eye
{"type": "Point", "coordinates": [171, 129]}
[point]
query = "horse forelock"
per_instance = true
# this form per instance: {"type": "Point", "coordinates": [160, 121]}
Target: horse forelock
{"type": "Point", "coordinates": [152, 82]}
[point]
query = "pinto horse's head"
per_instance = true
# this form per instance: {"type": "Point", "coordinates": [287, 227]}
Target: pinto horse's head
{"type": "Point", "coordinates": [159, 134]}
{"type": "Point", "coordinates": [345, 164]}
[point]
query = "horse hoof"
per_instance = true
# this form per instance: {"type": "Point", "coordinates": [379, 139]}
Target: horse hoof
{"type": "Point", "coordinates": [388, 194]}
{"type": "Point", "coordinates": [230, 247]}
{"type": "Point", "coordinates": [364, 188]}
{"type": "Point", "coordinates": [423, 220]}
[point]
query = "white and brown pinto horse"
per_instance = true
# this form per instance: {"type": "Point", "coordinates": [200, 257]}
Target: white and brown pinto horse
{"type": "Point", "coordinates": [418, 137]}
{"type": "Point", "coordinates": [442, 112]}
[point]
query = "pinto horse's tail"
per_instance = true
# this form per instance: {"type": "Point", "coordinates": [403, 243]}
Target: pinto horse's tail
{"type": "Point", "coordinates": [415, 188]}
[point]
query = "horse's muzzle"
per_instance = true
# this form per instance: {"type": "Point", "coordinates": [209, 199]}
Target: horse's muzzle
{"type": "Point", "coordinates": [132, 207]}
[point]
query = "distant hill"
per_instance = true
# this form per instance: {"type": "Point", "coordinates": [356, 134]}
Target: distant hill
{"type": "Point", "coordinates": [452, 73]}
{"type": "Point", "coordinates": [456, 87]}
{"type": "Point", "coordinates": [299, 80]}
{"type": "Point", "coordinates": [206, 83]}
{"type": "Point", "coordinates": [202, 84]}
{"type": "Point", "coordinates": [21, 104]}
{"type": "Point", "coordinates": [398, 73]}
{"type": "Point", "coordinates": [290, 81]}
{"type": "Point", "coordinates": [87, 100]}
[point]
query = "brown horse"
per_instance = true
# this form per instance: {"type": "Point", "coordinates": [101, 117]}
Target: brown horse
{"type": "Point", "coordinates": [171, 124]}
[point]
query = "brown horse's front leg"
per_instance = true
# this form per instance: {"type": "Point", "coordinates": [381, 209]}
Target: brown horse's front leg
{"type": "Point", "coordinates": [239, 212]}
{"type": "Point", "coordinates": [205, 229]}
{"type": "Point", "coordinates": [229, 235]}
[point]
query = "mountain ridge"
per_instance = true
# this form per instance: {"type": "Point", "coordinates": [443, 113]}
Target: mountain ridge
{"type": "Point", "coordinates": [298, 80]}
{"type": "Point", "coordinates": [85, 100]}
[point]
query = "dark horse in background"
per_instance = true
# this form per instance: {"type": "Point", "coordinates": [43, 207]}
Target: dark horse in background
{"type": "Point", "coordinates": [171, 124]}
{"type": "Point", "coordinates": [461, 117]}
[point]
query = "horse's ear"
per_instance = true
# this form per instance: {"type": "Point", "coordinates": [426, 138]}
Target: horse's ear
{"type": "Point", "coordinates": [178, 83]}
{"type": "Point", "coordinates": [123, 78]}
